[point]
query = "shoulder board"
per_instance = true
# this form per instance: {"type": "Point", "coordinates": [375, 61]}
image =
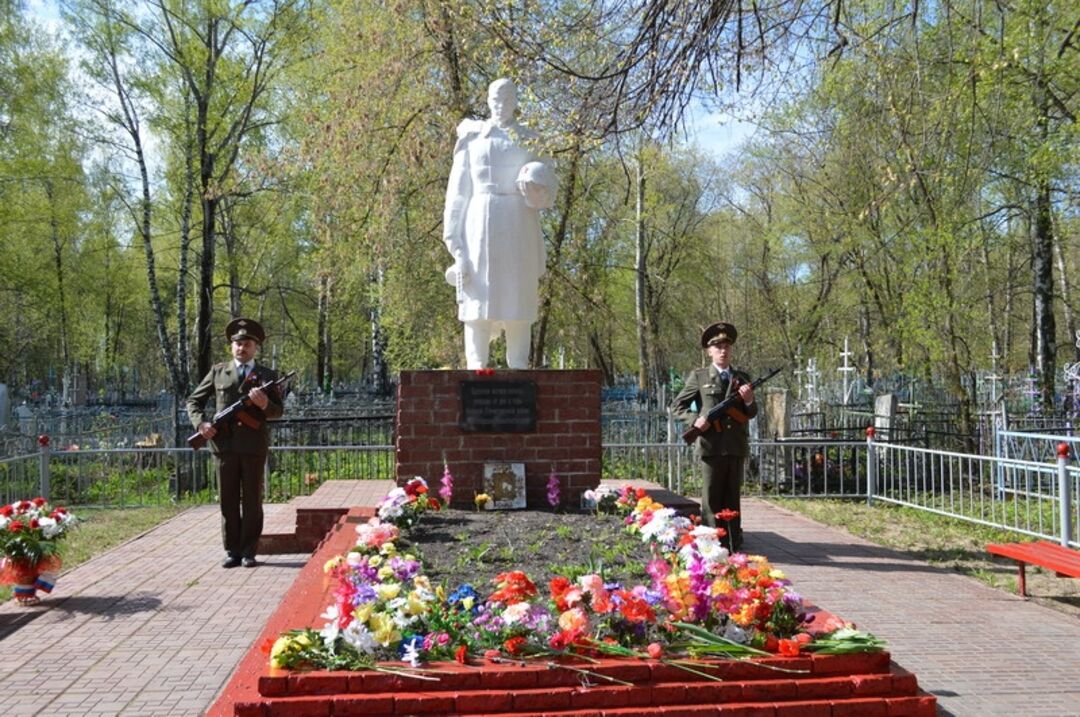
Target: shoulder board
{"type": "Point", "coordinates": [469, 126]}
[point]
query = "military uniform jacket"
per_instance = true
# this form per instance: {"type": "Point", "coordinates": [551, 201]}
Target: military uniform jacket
{"type": "Point", "coordinates": [223, 384]}
{"type": "Point", "coordinates": [705, 389]}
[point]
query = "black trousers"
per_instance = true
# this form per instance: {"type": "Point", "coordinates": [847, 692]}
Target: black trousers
{"type": "Point", "coordinates": [722, 489]}
{"type": "Point", "coordinates": [240, 477]}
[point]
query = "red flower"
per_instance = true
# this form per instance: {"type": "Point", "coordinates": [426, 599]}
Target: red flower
{"type": "Point", "coordinates": [34, 523]}
{"type": "Point", "coordinates": [38, 502]}
{"type": "Point", "coordinates": [6, 511]}
{"type": "Point", "coordinates": [462, 654]}
{"type": "Point", "coordinates": [491, 655]}
{"type": "Point", "coordinates": [415, 488]}
{"type": "Point", "coordinates": [434, 504]}
{"type": "Point", "coordinates": [655, 650]}
{"type": "Point", "coordinates": [789, 648]}
{"type": "Point", "coordinates": [513, 587]}
{"type": "Point", "coordinates": [15, 526]}
{"type": "Point", "coordinates": [727, 515]}
{"type": "Point", "coordinates": [513, 645]}
{"type": "Point", "coordinates": [564, 638]}
{"type": "Point", "coordinates": [634, 608]}
{"type": "Point", "coordinates": [771, 644]}
{"type": "Point", "coordinates": [266, 646]}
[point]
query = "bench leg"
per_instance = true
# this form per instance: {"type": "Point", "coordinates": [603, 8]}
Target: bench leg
{"type": "Point", "coordinates": [1022, 587]}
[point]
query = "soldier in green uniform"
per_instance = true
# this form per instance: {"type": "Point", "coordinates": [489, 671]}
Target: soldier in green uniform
{"type": "Point", "coordinates": [723, 446]}
{"type": "Point", "coordinates": [239, 450]}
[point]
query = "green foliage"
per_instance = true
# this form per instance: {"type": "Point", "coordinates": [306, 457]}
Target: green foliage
{"type": "Point", "coordinates": [890, 196]}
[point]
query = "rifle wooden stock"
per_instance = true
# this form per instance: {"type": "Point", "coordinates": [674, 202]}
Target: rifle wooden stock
{"type": "Point", "coordinates": [238, 412]}
{"type": "Point", "coordinates": [728, 405]}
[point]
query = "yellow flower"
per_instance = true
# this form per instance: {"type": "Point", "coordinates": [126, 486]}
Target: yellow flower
{"type": "Point", "coordinates": [415, 605]}
{"type": "Point", "coordinates": [388, 591]}
{"type": "Point", "coordinates": [720, 587]}
{"type": "Point", "coordinates": [440, 593]}
{"type": "Point", "coordinates": [281, 646]}
{"type": "Point", "coordinates": [285, 645]}
{"type": "Point", "coordinates": [745, 616]}
{"type": "Point", "coordinates": [423, 582]}
{"type": "Point", "coordinates": [388, 549]}
{"type": "Point", "coordinates": [383, 628]}
{"type": "Point", "coordinates": [363, 612]}
{"type": "Point", "coordinates": [385, 572]}
{"type": "Point", "coordinates": [482, 500]}
{"type": "Point", "coordinates": [374, 561]}
{"type": "Point", "coordinates": [333, 563]}
{"type": "Point", "coordinates": [467, 602]}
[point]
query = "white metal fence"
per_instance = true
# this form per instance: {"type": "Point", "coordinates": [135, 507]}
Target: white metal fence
{"type": "Point", "coordinates": [1033, 497]}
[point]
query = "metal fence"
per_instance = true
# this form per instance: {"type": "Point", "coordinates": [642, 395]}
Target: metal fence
{"type": "Point", "coordinates": [131, 477]}
{"type": "Point", "coordinates": [1034, 494]}
{"type": "Point", "coordinates": [1036, 498]}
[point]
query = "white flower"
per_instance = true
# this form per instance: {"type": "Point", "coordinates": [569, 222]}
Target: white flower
{"type": "Point", "coordinates": [411, 654]}
{"type": "Point", "coordinates": [49, 528]}
{"type": "Point", "coordinates": [357, 635]}
{"type": "Point", "coordinates": [330, 631]}
{"type": "Point", "coordinates": [515, 613]}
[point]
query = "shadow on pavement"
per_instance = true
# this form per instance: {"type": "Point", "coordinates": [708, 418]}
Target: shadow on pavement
{"type": "Point", "coordinates": [108, 606]}
{"type": "Point", "coordinates": [840, 555]}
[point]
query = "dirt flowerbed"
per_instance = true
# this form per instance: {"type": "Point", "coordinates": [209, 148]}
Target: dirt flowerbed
{"type": "Point", "coordinates": [460, 546]}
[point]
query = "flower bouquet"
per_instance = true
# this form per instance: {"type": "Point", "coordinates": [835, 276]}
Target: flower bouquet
{"type": "Point", "coordinates": [404, 505]}
{"type": "Point", "coordinates": [30, 534]}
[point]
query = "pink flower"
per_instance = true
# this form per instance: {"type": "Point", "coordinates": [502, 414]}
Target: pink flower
{"type": "Point", "coordinates": [446, 489]}
{"type": "Point", "coordinates": [554, 490]}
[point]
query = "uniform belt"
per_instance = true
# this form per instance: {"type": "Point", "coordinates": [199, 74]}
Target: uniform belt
{"type": "Point", "coordinates": [487, 188]}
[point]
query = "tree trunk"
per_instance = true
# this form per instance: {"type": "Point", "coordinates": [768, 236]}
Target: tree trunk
{"type": "Point", "coordinates": [1043, 267]}
{"type": "Point", "coordinates": [1066, 292]}
{"type": "Point", "coordinates": [182, 348]}
{"type": "Point", "coordinates": [204, 335]}
{"type": "Point", "coordinates": [569, 197]}
{"type": "Point", "coordinates": [641, 254]}
{"type": "Point", "coordinates": [58, 263]}
{"type": "Point", "coordinates": [203, 323]}
{"type": "Point", "coordinates": [322, 360]}
{"type": "Point", "coordinates": [379, 372]}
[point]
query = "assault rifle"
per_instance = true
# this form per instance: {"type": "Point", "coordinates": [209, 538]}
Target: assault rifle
{"type": "Point", "coordinates": [239, 412]}
{"type": "Point", "coordinates": [728, 405]}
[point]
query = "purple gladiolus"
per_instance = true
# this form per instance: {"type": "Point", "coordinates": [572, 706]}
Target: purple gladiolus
{"type": "Point", "coordinates": [554, 490]}
{"type": "Point", "coordinates": [446, 488]}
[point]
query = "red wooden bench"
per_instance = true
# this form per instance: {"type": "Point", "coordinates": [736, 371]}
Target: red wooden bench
{"type": "Point", "coordinates": [1063, 561]}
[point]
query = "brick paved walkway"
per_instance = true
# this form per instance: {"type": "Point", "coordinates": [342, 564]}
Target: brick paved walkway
{"type": "Point", "coordinates": [155, 627]}
{"type": "Point", "coordinates": [982, 652]}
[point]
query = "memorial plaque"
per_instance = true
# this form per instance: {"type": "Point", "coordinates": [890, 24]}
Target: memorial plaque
{"type": "Point", "coordinates": [505, 483]}
{"type": "Point", "coordinates": [498, 406]}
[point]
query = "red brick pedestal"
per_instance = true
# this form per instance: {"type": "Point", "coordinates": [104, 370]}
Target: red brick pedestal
{"type": "Point", "coordinates": [566, 439]}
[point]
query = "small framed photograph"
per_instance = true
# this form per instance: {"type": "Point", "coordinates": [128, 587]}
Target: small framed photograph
{"type": "Point", "coordinates": [505, 483]}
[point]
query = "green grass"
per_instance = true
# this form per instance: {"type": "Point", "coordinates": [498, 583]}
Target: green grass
{"type": "Point", "coordinates": [941, 541]}
{"type": "Point", "coordinates": [103, 528]}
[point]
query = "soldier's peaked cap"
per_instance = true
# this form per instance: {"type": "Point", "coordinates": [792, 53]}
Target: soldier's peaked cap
{"type": "Point", "coordinates": [718, 333]}
{"type": "Point", "coordinates": [241, 328]}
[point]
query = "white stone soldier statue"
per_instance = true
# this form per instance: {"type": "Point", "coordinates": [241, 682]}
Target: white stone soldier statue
{"type": "Point", "coordinates": [491, 227]}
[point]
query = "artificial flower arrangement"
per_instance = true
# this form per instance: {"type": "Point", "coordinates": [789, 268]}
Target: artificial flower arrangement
{"type": "Point", "coordinates": [30, 535]}
{"type": "Point", "coordinates": [404, 505]}
{"type": "Point", "coordinates": [702, 601]}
